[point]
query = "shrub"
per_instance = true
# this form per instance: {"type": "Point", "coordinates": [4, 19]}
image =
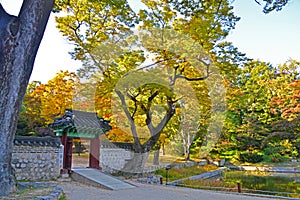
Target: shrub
{"type": "Point", "coordinates": [276, 158]}
{"type": "Point", "coordinates": [250, 157]}
{"type": "Point", "coordinates": [272, 150]}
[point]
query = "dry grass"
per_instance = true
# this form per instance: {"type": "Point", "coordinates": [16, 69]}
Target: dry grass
{"type": "Point", "coordinates": [163, 159]}
{"type": "Point", "coordinates": [27, 194]}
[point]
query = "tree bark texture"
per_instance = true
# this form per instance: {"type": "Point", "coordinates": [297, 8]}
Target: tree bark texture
{"type": "Point", "coordinates": [141, 151]}
{"type": "Point", "coordinates": [187, 140]}
{"type": "Point", "coordinates": [136, 164]}
{"type": "Point", "coordinates": [156, 157]}
{"type": "Point", "coordinates": [20, 37]}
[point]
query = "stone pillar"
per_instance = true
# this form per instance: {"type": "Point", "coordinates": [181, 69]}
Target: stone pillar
{"type": "Point", "coordinates": [95, 152]}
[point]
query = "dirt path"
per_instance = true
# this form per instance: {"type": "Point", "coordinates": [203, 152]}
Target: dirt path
{"type": "Point", "coordinates": [77, 191]}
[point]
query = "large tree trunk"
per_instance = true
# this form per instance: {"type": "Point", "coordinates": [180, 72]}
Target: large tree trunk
{"type": "Point", "coordinates": [156, 157]}
{"type": "Point", "coordinates": [136, 164]}
{"type": "Point", "coordinates": [20, 38]}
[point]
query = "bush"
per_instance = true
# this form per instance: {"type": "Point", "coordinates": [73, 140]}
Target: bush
{"type": "Point", "coordinates": [250, 157]}
{"type": "Point", "coordinates": [272, 150]}
{"type": "Point", "coordinates": [276, 158]}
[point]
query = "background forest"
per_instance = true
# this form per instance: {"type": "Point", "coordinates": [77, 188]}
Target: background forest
{"type": "Point", "coordinates": [175, 64]}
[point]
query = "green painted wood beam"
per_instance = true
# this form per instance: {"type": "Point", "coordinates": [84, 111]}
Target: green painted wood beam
{"type": "Point", "coordinates": [78, 135]}
{"type": "Point", "coordinates": [78, 132]}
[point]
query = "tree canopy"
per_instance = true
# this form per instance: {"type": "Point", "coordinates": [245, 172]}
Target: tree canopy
{"type": "Point", "coordinates": [271, 5]}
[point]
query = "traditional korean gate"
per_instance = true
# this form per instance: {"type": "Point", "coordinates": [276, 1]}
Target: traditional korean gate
{"type": "Point", "coordinates": [84, 125]}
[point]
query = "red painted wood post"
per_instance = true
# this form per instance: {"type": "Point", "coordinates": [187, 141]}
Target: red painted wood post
{"type": "Point", "coordinates": [95, 152]}
{"type": "Point", "coordinates": [69, 154]}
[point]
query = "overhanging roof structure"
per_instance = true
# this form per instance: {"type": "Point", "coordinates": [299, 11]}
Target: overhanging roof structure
{"type": "Point", "coordinates": [80, 124]}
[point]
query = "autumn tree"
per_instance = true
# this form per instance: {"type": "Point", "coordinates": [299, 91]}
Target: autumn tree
{"type": "Point", "coordinates": [31, 116]}
{"type": "Point", "coordinates": [206, 26]}
{"type": "Point", "coordinates": [286, 102]}
{"type": "Point", "coordinates": [44, 102]}
{"type": "Point", "coordinates": [252, 114]}
{"type": "Point", "coordinates": [284, 137]}
{"type": "Point", "coordinates": [110, 47]}
{"type": "Point", "coordinates": [57, 95]}
{"type": "Point", "coordinates": [252, 106]}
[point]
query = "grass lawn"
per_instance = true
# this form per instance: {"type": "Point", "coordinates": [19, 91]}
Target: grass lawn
{"type": "Point", "coordinates": [168, 159]}
{"type": "Point", "coordinates": [163, 159]}
{"type": "Point", "coordinates": [180, 173]}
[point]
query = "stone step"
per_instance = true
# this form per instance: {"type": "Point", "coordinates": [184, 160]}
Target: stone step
{"type": "Point", "coordinates": [97, 178]}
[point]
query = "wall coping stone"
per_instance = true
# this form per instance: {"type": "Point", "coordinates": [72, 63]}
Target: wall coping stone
{"type": "Point", "coordinates": [116, 145]}
{"type": "Point", "coordinates": [37, 141]}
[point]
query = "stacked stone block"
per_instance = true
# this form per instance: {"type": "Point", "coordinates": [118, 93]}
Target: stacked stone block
{"type": "Point", "coordinates": [114, 159]}
{"type": "Point", "coordinates": [37, 158]}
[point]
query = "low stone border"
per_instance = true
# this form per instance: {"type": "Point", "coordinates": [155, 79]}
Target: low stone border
{"type": "Point", "coordinates": [55, 194]}
{"type": "Point", "coordinates": [266, 169]}
{"type": "Point", "coordinates": [151, 180]}
{"type": "Point", "coordinates": [188, 164]}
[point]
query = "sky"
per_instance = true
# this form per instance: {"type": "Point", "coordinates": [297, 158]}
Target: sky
{"type": "Point", "coordinates": [274, 37]}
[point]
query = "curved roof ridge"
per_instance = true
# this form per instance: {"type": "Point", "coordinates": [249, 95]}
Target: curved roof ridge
{"type": "Point", "coordinates": [81, 120]}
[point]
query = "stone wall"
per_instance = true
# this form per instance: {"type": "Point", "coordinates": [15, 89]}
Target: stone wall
{"type": "Point", "coordinates": [37, 158]}
{"type": "Point", "coordinates": [113, 156]}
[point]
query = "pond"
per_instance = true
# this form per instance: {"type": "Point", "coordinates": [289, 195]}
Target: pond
{"type": "Point", "coordinates": [279, 184]}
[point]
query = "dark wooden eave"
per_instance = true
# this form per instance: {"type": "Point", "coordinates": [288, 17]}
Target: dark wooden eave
{"type": "Point", "coordinates": [80, 124]}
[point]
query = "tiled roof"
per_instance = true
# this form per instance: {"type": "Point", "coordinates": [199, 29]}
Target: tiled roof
{"type": "Point", "coordinates": [84, 122]}
{"type": "Point", "coordinates": [87, 119]}
{"type": "Point", "coordinates": [37, 141]}
{"type": "Point", "coordinates": [65, 120]}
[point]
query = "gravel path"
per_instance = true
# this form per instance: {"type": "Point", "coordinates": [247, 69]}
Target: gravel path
{"type": "Point", "coordinates": [78, 191]}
